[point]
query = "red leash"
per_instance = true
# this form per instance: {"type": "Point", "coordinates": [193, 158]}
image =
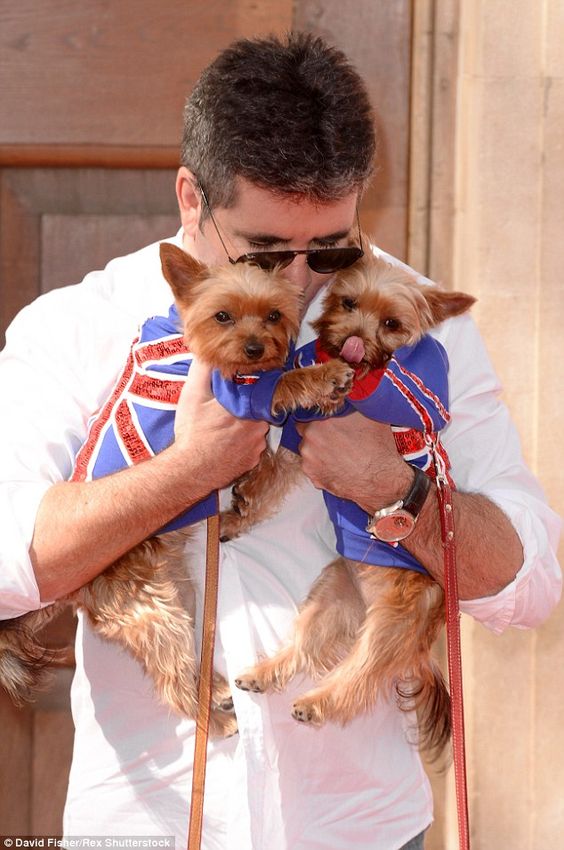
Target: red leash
{"type": "Point", "coordinates": [446, 511]}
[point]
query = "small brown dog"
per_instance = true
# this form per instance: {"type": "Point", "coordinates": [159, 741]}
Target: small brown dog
{"type": "Point", "coordinates": [364, 631]}
{"type": "Point", "coordinates": [235, 320]}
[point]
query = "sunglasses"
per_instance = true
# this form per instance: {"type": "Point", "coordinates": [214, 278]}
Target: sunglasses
{"type": "Point", "coordinates": [321, 260]}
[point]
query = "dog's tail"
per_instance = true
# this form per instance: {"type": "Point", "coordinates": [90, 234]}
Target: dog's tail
{"type": "Point", "coordinates": [24, 661]}
{"type": "Point", "coordinates": [430, 698]}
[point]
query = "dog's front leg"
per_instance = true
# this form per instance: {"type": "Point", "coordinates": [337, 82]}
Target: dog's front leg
{"type": "Point", "coordinates": [323, 385]}
{"type": "Point", "coordinates": [259, 493]}
{"type": "Point", "coordinates": [145, 602]}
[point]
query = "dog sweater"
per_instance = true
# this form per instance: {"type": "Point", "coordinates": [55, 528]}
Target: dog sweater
{"type": "Point", "coordinates": [137, 420]}
{"type": "Point", "coordinates": [411, 395]}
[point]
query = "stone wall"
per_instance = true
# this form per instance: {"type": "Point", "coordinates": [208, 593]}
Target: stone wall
{"type": "Point", "coordinates": [496, 83]}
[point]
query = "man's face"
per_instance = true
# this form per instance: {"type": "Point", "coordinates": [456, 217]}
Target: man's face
{"type": "Point", "coordinates": [261, 221]}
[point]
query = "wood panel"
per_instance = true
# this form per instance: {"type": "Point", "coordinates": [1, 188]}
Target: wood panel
{"type": "Point", "coordinates": [53, 733]}
{"type": "Point", "coordinates": [113, 72]}
{"type": "Point", "coordinates": [59, 224]}
{"type": "Point", "coordinates": [16, 766]}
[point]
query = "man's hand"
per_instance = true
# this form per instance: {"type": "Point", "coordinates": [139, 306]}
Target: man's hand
{"type": "Point", "coordinates": [354, 458]}
{"type": "Point", "coordinates": [217, 446]}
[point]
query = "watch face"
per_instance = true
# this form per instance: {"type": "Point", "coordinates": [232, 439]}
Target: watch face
{"type": "Point", "coordinates": [396, 526]}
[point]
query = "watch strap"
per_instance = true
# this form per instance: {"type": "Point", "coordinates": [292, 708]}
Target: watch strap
{"type": "Point", "coordinates": [415, 497]}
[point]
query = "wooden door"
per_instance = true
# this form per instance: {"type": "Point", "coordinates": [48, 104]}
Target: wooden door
{"type": "Point", "coordinates": [90, 122]}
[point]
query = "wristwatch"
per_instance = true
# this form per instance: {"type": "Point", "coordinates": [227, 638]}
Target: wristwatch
{"type": "Point", "coordinates": [396, 522]}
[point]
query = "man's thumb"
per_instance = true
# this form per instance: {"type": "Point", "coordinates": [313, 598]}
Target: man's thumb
{"type": "Point", "coordinates": [198, 381]}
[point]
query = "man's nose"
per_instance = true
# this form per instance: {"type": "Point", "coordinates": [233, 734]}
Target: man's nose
{"type": "Point", "coordinates": [299, 272]}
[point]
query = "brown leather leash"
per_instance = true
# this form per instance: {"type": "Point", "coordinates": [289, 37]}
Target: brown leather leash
{"type": "Point", "coordinates": [446, 511]}
{"type": "Point", "coordinates": [205, 684]}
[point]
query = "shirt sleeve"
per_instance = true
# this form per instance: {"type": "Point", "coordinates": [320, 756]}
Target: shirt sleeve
{"type": "Point", "coordinates": [485, 453]}
{"type": "Point", "coordinates": [49, 394]}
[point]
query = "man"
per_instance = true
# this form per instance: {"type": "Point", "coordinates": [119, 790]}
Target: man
{"type": "Point", "coordinates": [279, 137]}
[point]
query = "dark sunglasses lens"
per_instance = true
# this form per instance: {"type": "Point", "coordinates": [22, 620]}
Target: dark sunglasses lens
{"type": "Point", "coordinates": [268, 260]}
{"type": "Point", "coordinates": [331, 260]}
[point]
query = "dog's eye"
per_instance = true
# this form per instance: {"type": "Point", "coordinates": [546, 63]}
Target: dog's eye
{"type": "Point", "coordinates": [222, 317]}
{"type": "Point", "coordinates": [275, 316]}
{"type": "Point", "coordinates": [349, 303]}
{"type": "Point", "coordinates": [392, 324]}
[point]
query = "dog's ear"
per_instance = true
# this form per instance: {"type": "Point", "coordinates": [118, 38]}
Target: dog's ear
{"type": "Point", "coordinates": [181, 270]}
{"type": "Point", "coordinates": [445, 304]}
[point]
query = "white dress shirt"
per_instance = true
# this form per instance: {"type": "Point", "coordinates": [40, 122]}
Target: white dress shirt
{"type": "Point", "coordinates": [277, 785]}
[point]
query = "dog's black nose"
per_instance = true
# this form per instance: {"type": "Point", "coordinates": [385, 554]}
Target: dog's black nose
{"type": "Point", "coordinates": [254, 349]}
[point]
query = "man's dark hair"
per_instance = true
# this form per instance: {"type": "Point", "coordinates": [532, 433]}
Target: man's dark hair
{"type": "Point", "coordinates": [290, 116]}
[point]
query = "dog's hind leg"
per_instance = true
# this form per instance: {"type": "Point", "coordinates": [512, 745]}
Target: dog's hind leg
{"type": "Point", "coordinates": [403, 615]}
{"type": "Point", "coordinates": [324, 631]}
{"type": "Point", "coordinates": [24, 660]}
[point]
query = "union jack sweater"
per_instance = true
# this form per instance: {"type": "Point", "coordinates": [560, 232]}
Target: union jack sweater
{"type": "Point", "coordinates": [411, 395]}
{"type": "Point", "coordinates": [137, 420]}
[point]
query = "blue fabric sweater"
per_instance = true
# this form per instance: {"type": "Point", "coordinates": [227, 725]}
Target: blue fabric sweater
{"type": "Point", "coordinates": [137, 421]}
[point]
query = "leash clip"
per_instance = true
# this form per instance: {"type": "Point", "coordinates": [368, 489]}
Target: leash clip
{"type": "Point", "coordinates": [438, 462]}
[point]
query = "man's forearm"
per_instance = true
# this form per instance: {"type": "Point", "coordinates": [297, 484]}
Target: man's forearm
{"type": "Point", "coordinates": [488, 549]}
{"type": "Point", "coordinates": [81, 528]}
{"type": "Point", "coordinates": [356, 458]}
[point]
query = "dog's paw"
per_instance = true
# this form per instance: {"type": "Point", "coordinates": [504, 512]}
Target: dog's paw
{"type": "Point", "coordinates": [221, 695]}
{"type": "Point", "coordinates": [229, 525]}
{"type": "Point", "coordinates": [223, 725]}
{"type": "Point", "coordinates": [248, 682]}
{"type": "Point", "coordinates": [226, 704]}
{"type": "Point", "coordinates": [336, 381]}
{"type": "Point", "coordinates": [307, 712]}
{"type": "Point", "coordinates": [340, 376]}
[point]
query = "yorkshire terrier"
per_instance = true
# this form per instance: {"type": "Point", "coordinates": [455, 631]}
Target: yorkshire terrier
{"type": "Point", "coordinates": [365, 631]}
{"type": "Point", "coordinates": [238, 321]}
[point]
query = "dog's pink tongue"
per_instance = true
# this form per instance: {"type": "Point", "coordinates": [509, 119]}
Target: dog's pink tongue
{"type": "Point", "coordinates": [353, 350]}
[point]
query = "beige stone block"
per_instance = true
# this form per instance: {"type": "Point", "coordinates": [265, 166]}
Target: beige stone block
{"type": "Point", "coordinates": [551, 309]}
{"type": "Point", "coordinates": [499, 751]}
{"type": "Point", "coordinates": [552, 206]}
{"type": "Point", "coordinates": [554, 55]}
{"type": "Point", "coordinates": [510, 252]}
{"type": "Point", "coordinates": [550, 453]}
{"type": "Point", "coordinates": [387, 226]}
{"type": "Point", "coordinates": [548, 733]}
{"type": "Point", "coordinates": [509, 38]}
{"type": "Point", "coordinates": [507, 138]}
{"type": "Point", "coordinates": [508, 332]}
{"type": "Point", "coordinates": [500, 160]}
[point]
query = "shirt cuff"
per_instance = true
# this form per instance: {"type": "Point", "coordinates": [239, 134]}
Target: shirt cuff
{"type": "Point", "coordinates": [529, 599]}
{"type": "Point", "coordinates": [19, 592]}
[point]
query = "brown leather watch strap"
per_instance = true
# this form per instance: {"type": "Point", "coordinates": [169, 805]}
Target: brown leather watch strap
{"type": "Point", "coordinates": [415, 498]}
